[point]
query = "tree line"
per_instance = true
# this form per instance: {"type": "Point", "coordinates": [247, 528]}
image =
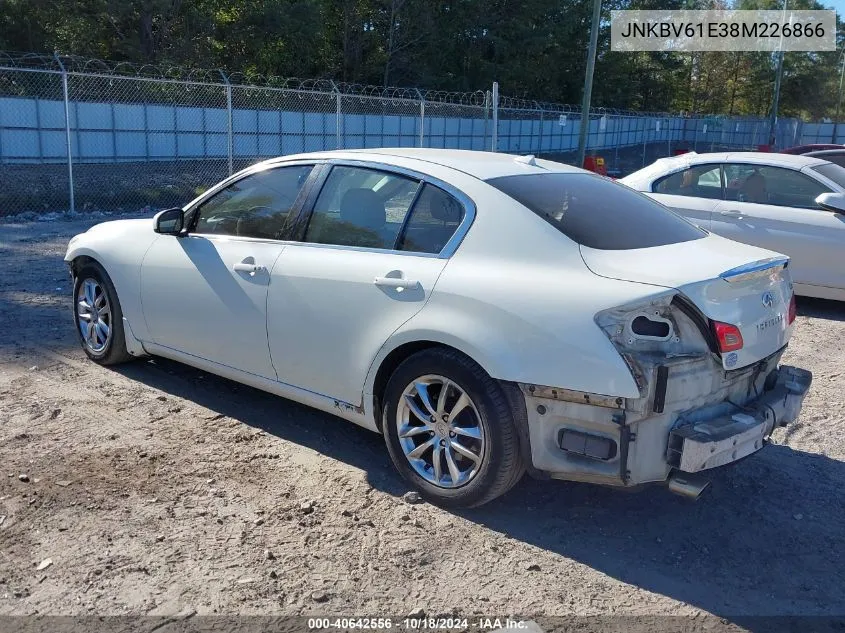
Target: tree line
{"type": "Point", "coordinates": [535, 49]}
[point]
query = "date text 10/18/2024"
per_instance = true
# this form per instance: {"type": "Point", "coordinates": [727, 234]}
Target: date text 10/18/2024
{"type": "Point", "coordinates": [419, 624]}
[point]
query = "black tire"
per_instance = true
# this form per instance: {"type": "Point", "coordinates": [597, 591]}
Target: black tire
{"type": "Point", "coordinates": [501, 464]}
{"type": "Point", "coordinates": [114, 351]}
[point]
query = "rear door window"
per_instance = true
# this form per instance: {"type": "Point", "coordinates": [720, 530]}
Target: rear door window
{"type": "Point", "coordinates": [598, 212]}
{"type": "Point", "coordinates": [361, 207]}
{"type": "Point", "coordinates": [701, 181]}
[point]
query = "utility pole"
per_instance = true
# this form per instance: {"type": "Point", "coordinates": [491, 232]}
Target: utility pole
{"type": "Point", "coordinates": [839, 102]}
{"type": "Point", "coordinates": [66, 96]}
{"type": "Point", "coordinates": [773, 118]}
{"type": "Point", "coordinates": [588, 82]}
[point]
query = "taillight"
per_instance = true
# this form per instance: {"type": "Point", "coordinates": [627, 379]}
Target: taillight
{"type": "Point", "coordinates": [791, 314]}
{"type": "Point", "coordinates": [728, 335]}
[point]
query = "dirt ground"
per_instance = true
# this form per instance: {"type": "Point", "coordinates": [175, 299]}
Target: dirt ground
{"type": "Point", "coordinates": [154, 488]}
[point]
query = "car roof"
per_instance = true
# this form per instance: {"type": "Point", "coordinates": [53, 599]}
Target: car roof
{"type": "Point", "coordinates": [790, 161]}
{"type": "Point", "coordinates": [482, 165]}
{"type": "Point", "coordinates": [795, 161]}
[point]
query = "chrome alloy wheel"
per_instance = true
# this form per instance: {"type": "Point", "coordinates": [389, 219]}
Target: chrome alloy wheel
{"type": "Point", "coordinates": [440, 431]}
{"type": "Point", "coordinates": [93, 315]}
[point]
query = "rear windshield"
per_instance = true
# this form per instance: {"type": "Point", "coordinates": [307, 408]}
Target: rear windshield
{"type": "Point", "coordinates": [597, 212]}
{"type": "Point", "coordinates": [832, 172]}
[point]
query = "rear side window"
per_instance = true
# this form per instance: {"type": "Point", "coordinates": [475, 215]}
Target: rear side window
{"type": "Point", "coordinates": [596, 212]}
{"type": "Point", "coordinates": [432, 223]}
{"type": "Point", "coordinates": [834, 172]}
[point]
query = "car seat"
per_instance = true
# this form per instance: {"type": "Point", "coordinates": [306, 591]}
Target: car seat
{"type": "Point", "coordinates": [363, 211]}
{"type": "Point", "coordinates": [754, 189]}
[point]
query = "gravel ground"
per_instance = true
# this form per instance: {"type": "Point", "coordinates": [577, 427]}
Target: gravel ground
{"type": "Point", "coordinates": [154, 488]}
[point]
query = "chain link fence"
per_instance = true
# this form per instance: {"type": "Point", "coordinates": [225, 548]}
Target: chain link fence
{"type": "Point", "coordinates": [82, 135]}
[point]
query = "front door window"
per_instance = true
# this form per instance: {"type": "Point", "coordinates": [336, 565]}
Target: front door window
{"type": "Point", "coordinates": [255, 206]}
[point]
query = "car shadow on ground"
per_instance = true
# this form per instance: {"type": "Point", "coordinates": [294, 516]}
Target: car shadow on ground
{"type": "Point", "coordinates": [773, 524]}
{"type": "Point", "coordinates": [821, 308]}
{"type": "Point", "coordinates": [769, 524]}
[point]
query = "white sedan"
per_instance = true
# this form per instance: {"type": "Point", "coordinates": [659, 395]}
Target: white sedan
{"type": "Point", "coordinates": [489, 314]}
{"type": "Point", "coordinates": [789, 204]}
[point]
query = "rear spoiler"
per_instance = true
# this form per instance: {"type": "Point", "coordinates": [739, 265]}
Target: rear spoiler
{"type": "Point", "coordinates": [760, 268]}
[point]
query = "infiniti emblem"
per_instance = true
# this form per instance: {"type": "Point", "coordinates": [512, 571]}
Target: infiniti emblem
{"type": "Point", "coordinates": [768, 299]}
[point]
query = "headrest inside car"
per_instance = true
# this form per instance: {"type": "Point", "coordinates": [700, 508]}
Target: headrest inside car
{"type": "Point", "coordinates": [364, 208]}
{"type": "Point", "coordinates": [444, 208]}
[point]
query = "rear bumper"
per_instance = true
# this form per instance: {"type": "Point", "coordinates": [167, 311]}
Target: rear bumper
{"type": "Point", "coordinates": [700, 419]}
{"type": "Point", "coordinates": [697, 446]}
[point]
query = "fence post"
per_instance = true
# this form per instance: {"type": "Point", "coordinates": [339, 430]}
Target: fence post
{"type": "Point", "coordinates": [617, 137]}
{"type": "Point", "coordinates": [338, 114]}
{"type": "Point", "coordinates": [422, 117]}
{"type": "Point", "coordinates": [645, 135]}
{"type": "Point", "coordinates": [540, 148]}
{"type": "Point", "coordinates": [231, 140]}
{"type": "Point", "coordinates": [67, 133]}
{"type": "Point", "coordinates": [495, 143]}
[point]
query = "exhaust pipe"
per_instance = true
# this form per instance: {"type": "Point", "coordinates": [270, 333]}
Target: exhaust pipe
{"type": "Point", "coordinates": [687, 485]}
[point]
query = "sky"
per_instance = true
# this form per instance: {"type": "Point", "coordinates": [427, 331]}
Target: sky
{"type": "Point", "coordinates": [839, 5]}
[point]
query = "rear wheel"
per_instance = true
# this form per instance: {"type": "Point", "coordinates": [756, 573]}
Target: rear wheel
{"type": "Point", "coordinates": [98, 317]}
{"type": "Point", "coordinates": [449, 429]}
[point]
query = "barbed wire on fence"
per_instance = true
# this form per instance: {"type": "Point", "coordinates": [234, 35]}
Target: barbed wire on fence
{"type": "Point", "coordinates": [59, 62]}
{"type": "Point", "coordinates": [124, 136]}
{"type": "Point", "coordinates": [251, 79]}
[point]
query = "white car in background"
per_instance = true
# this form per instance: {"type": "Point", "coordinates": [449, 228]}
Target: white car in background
{"type": "Point", "coordinates": [487, 313]}
{"type": "Point", "coordinates": [790, 204]}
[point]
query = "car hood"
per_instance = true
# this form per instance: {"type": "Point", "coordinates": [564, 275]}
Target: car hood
{"type": "Point", "coordinates": [123, 226]}
{"type": "Point", "coordinates": [112, 232]}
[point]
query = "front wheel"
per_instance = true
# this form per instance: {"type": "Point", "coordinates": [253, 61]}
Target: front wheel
{"type": "Point", "coordinates": [449, 429]}
{"type": "Point", "coordinates": [98, 317]}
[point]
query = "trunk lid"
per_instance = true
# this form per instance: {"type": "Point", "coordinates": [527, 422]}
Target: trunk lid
{"type": "Point", "coordinates": [733, 283]}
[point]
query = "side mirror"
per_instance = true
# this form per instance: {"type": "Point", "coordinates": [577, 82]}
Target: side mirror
{"type": "Point", "coordinates": [169, 221]}
{"type": "Point", "coordinates": [832, 202]}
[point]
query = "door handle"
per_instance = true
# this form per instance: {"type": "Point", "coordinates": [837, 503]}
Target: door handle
{"type": "Point", "coordinates": [244, 267]}
{"type": "Point", "coordinates": [732, 213]}
{"type": "Point", "coordinates": [396, 282]}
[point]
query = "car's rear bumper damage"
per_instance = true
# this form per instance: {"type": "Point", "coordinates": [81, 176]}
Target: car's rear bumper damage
{"type": "Point", "coordinates": [694, 417]}
{"type": "Point", "coordinates": [715, 442]}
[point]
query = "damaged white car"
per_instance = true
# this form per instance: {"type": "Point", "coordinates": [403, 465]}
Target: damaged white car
{"type": "Point", "coordinates": [489, 314]}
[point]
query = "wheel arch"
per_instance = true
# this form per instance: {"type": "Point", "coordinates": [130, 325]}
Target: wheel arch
{"type": "Point", "coordinates": [388, 365]}
{"type": "Point", "coordinates": [80, 259]}
{"type": "Point", "coordinates": [393, 355]}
